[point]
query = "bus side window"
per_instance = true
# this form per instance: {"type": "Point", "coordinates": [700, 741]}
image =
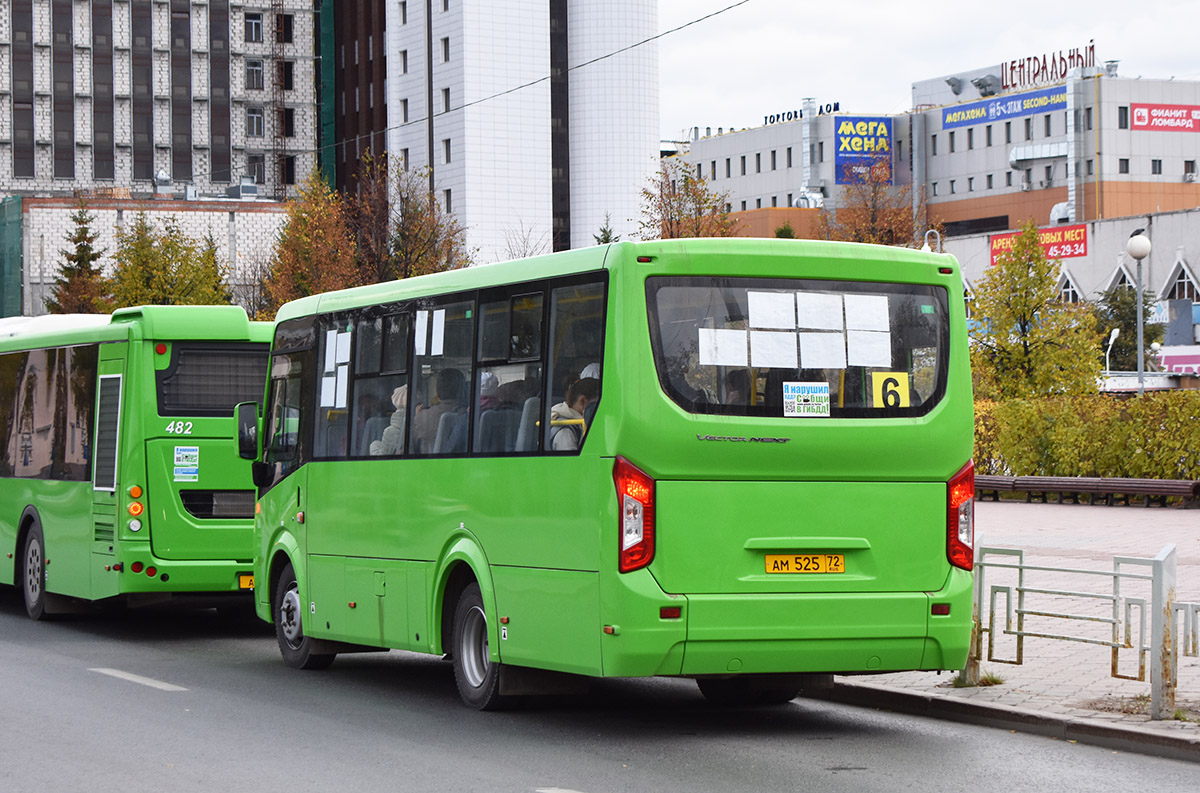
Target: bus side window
{"type": "Point", "coordinates": [332, 438]}
{"type": "Point", "coordinates": [575, 352]}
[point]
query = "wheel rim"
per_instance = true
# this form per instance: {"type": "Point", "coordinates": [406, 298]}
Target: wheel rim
{"type": "Point", "coordinates": [33, 571]}
{"type": "Point", "coordinates": [289, 617]}
{"type": "Point", "coordinates": [473, 647]}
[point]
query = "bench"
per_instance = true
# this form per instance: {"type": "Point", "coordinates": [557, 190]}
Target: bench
{"type": "Point", "coordinates": [1112, 490]}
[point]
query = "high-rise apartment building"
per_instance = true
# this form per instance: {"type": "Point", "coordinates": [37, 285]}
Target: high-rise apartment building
{"type": "Point", "coordinates": [534, 119]}
{"type": "Point", "coordinates": [136, 97]}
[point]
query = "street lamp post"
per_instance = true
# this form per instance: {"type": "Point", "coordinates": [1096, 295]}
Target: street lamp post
{"type": "Point", "coordinates": [1138, 247]}
{"type": "Point", "coordinates": [1111, 338]}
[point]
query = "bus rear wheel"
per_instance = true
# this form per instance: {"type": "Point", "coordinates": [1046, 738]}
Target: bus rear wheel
{"type": "Point", "coordinates": [33, 572]}
{"type": "Point", "coordinates": [741, 691]}
{"type": "Point", "coordinates": [477, 677]}
{"type": "Point", "coordinates": [294, 646]}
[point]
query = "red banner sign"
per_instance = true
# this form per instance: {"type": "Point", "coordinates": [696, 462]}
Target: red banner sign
{"type": "Point", "coordinates": [1171, 118]}
{"type": "Point", "coordinates": [1058, 242]}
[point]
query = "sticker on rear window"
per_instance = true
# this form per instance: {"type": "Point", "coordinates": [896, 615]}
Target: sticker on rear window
{"type": "Point", "coordinates": [806, 400]}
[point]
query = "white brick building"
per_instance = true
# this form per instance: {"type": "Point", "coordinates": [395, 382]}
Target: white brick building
{"type": "Point", "coordinates": [132, 96]}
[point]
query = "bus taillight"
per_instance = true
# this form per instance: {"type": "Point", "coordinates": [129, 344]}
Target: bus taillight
{"type": "Point", "coordinates": [635, 494]}
{"type": "Point", "coordinates": [960, 518]}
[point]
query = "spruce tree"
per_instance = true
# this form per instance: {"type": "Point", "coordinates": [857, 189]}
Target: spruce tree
{"type": "Point", "coordinates": [80, 287]}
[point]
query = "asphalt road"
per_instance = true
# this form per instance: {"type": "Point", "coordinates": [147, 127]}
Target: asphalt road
{"type": "Point", "coordinates": [213, 708]}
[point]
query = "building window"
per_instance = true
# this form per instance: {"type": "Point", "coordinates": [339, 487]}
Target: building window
{"type": "Point", "coordinates": [989, 182]}
{"type": "Point", "coordinates": [758, 162]}
{"type": "Point", "coordinates": [254, 122]}
{"type": "Point", "coordinates": [728, 172]}
{"type": "Point", "coordinates": [404, 110]}
{"type": "Point", "coordinates": [1123, 165]}
{"type": "Point", "coordinates": [789, 158]}
{"type": "Point", "coordinates": [935, 188]}
{"type": "Point", "coordinates": [404, 158]}
{"type": "Point", "coordinates": [1123, 117]}
{"type": "Point", "coordinates": [699, 171]}
{"type": "Point", "coordinates": [952, 142]}
{"type": "Point", "coordinates": [445, 100]}
{"type": "Point", "coordinates": [1008, 179]}
{"type": "Point", "coordinates": [446, 49]}
{"type": "Point", "coordinates": [789, 203]}
{"type": "Point", "coordinates": [712, 170]}
{"type": "Point", "coordinates": [774, 201]}
{"type": "Point", "coordinates": [1029, 176]}
{"type": "Point", "coordinates": [987, 135]}
{"type": "Point", "coordinates": [933, 145]}
{"type": "Point", "coordinates": [404, 61]}
{"type": "Point", "coordinates": [758, 203]}
{"type": "Point", "coordinates": [254, 75]}
{"type": "Point", "coordinates": [283, 33]}
{"type": "Point", "coordinates": [1189, 166]}
{"type": "Point", "coordinates": [1049, 174]}
{"type": "Point", "coordinates": [1156, 167]}
{"type": "Point", "coordinates": [952, 190]}
{"type": "Point", "coordinates": [1182, 287]}
{"type": "Point", "coordinates": [970, 184]}
{"type": "Point", "coordinates": [287, 169]}
{"type": "Point", "coordinates": [1047, 125]}
{"type": "Point", "coordinates": [743, 206]}
{"type": "Point", "coordinates": [253, 28]}
{"type": "Point", "coordinates": [256, 166]}
{"type": "Point", "coordinates": [772, 160]}
{"type": "Point", "coordinates": [1008, 132]}
{"type": "Point", "coordinates": [821, 151]}
{"type": "Point", "coordinates": [287, 75]}
{"type": "Point", "coordinates": [1087, 117]}
{"type": "Point", "coordinates": [1067, 293]}
{"type": "Point", "coordinates": [287, 122]}
{"type": "Point", "coordinates": [403, 13]}
{"type": "Point", "coordinates": [1091, 166]}
{"type": "Point", "coordinates": [1029, 129]}
{"type": "Point", "coordinates": [449, 206]}
{"type": "Point", "coordinates": [743, 166]}
{"type": "Point", "coordinates": [970, 139]}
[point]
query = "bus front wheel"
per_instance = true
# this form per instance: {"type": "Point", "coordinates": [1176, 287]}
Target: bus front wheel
{"type": "Point", "coordinates": [33, 572]}
{"type": "Point", "coordinates": [477, 677]}
{"type": "Point", "coordinates": [294, 646]}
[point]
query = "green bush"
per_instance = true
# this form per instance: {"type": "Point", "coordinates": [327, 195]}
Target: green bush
{"type": "Point", "coordinates": [1154, 437]}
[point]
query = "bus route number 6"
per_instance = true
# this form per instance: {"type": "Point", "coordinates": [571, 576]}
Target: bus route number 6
{"type": "Point", "coordinates": [179, 428]}
{"type": "Point", "coordinates": [890, 389]}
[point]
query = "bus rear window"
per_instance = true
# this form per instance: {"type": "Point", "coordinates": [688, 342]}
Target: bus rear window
{"type": "Point", "coordinates": [208, 379]}
{"type": "Point", "coordinates": [799, 348]}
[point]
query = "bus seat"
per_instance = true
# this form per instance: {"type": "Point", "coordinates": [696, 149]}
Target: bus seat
{"type": "Point", "coordinates": [451, 436]}
{"type": "Point", "coordinates": [498, 430]}
{"type": "Point", "coordinates": [372, 431]}
{"type": "Point", "coordinates": [528, 427]}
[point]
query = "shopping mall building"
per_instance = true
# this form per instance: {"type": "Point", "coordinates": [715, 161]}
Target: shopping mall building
{"type": "Point", "coordinates": [1087, 154]}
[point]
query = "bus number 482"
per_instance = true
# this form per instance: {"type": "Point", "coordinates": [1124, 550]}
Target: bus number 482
{"type": "Point", "coordinates": [179, 428]}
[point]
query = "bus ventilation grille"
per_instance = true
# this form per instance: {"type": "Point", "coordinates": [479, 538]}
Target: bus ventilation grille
{"type": "Point", "coordinates": [103, 532]}
{"type": "Point", "coordinates": [219, 503]}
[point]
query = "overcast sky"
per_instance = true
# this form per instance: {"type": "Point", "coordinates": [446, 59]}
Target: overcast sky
{"type": "Point", "coordinates": [767, 55]}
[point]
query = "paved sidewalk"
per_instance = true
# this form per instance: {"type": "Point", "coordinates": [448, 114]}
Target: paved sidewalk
{"type": "Point", "coordinates": [1063, 688]}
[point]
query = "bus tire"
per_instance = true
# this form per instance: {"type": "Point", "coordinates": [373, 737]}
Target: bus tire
{"type": "Point", "coordinates": [477, 677]}
{"type": "Point", "coordinates": [287, 610]}
{"type": "Point", "coordinates": [33, 572]}
{"type": "Point", "coordinates": [743, 691]}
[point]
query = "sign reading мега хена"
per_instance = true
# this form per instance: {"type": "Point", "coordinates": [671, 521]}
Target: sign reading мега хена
{"type": "Point", "coordinates": [859, 144]}
{"type": "Point", "coordinates": [1005, 107]}
{"type": "Point", "coordinates": [1174, 118]}
{"type": "Point", "coordinates": [1058, 242]}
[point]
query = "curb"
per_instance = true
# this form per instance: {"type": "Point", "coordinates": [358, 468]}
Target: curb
{"type": "Point", "coordinates": [1121, 738]}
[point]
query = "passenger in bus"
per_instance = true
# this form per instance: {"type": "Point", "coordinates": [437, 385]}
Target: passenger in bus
{"type": "Point", "coordinates": [567, 426]}
{"type": "Point", "coordinates": [737, 387]}
{"type": "Point", "coordinates": [392, 442]}
{"type": "Point", "coordinates": [591, 370]}
{"type": "Point", "coordinates": [449, 388]}
{"type": "Point", "coordinates": [488, 385]}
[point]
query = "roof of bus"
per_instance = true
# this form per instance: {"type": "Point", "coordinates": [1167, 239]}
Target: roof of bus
{"type": "Point", "coordinates": [207, 323]}
{"type": "Point", "coordinates": [551, 265]}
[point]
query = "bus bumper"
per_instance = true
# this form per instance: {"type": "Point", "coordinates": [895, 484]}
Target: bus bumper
{"type": "Point", "coordinates": [797, 633]}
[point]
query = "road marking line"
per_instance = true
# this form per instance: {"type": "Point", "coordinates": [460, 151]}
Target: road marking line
{"type": "Point", "coordinates": [145, 681]}
{"type": "Point", "coordinates": [554, 790]}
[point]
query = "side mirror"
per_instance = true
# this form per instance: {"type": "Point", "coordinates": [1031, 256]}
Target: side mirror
{"type": "Point", "coordinates": [262, 473]}
{"type": "Point", "coordinates": [246, 414]}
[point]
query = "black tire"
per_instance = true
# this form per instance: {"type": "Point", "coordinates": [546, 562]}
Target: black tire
{"type": "Point", "coordinates": [287, 610]}
{"type": "Point", "coordinates": [33, 572]}
{"type": "Point", "coordinates": [478, 678]}
{"type": "Point", "coordinates": [744, 691]}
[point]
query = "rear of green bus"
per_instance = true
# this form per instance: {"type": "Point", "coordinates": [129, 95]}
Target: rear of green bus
{"type": "Point", "coordinates": [793, 490]}
{"type": "Point", "coordinates": [182, 498]}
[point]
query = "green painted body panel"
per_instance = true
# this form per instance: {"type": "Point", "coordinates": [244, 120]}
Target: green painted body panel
{"type": "Point", "coordinates": [541, 534]}
{"type": "Point", "coordinates": [89, 543]}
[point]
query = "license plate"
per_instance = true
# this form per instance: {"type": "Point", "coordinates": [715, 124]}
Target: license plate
{"type": "Point", "coordinates": [806, 563]}
{"type": "Point", "coordinates": [245, 581]}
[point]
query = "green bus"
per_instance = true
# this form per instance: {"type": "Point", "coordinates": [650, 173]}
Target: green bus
{"type": "Point", "coordinates": [741, 461]}
{"type": "Point", "coordinates": [118, 476]}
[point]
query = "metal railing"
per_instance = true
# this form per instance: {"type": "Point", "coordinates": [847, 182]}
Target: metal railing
{"type": "Point", "coordinates": [1129, 618]}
